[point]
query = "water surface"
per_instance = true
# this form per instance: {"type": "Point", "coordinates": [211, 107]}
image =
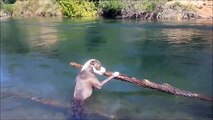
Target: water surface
{"type": "Point", "coordinates": [35, 56]}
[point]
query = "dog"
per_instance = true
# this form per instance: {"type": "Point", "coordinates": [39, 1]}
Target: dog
{"type": "Point", "coordinates": [86, 79]}
{"type": "Point", "coordinates": [85, 82]}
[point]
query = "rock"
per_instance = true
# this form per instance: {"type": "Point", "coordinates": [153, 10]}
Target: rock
{"type": "Point", "coordinates": [4, 13]}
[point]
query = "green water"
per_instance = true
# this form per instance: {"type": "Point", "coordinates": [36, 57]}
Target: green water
{"type": "Point", "coordinates": [35, 56]}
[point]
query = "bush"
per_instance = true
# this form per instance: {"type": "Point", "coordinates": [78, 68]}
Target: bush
{"type": "Point", "coordinates": [9, 1]}
{"type": "Point", "coordinates": [110, 8]}
{"type": "Point", "coordinates": [24, 8]}
{"type": "Point", "coordinates": [178, 5]}
{"type": "Point", "coordinates": [7, 8]}
{"type": "Point", "coordinates": [31, 8]}
{"type": "Point", "coordinates": [135, 7]}
{"type": "Point", "coordinates": [77, 8]}
{"type": "Point", "coordinates": [150, 5]}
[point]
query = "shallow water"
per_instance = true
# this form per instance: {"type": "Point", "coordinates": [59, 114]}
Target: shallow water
{"type": "Point", "coordinates": [35, 56]}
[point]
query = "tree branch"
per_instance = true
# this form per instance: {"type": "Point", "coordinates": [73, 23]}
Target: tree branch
{"type": "Point", "coordinates": [148, 84]}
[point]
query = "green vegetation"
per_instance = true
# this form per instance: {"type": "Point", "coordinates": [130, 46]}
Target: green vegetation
{"type": "Point", "coordinates": [178, 5]}
{"type": "Point", "coordinates": [110, 8]}
{"type": "Point", "coordinates": [7, 8]}
{"type": "Point", "coordinates": [77, 8]}
{"type": "Point", "coordinates": [30, 7]}
{"type": "Point", "coordinates": [150, 5]}
{"type": "Point", "coordinates": [9, 1]}
{"type": "Point", "coordinates": [106, 8]}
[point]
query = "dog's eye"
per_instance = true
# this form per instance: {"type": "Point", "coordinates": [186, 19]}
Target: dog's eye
{"type": "Point", "coordinates": [92, 62]}
{"type": "Point", "coordinates": [96, 64]}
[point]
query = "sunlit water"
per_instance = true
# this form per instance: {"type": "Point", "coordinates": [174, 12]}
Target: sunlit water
{"type": "Point", "coordinates": [35, 56]}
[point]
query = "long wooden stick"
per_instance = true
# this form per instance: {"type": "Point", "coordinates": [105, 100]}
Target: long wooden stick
{"type": "Point", "coordinates": [148, 84]}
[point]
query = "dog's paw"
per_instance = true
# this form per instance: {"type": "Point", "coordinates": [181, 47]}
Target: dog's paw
{"type": "Point", "coordinates": [116, 74]}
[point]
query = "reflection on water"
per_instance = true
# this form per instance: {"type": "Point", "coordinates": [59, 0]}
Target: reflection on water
{"type": "Point", "coordinates": [35, 56]}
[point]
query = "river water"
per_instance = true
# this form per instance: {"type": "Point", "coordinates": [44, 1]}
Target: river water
{"type": "Point", "coordinates": [36, 52]}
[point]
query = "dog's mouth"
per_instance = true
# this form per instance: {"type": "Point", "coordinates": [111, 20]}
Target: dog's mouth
{"type": "Point", "coordinates": [103, 69]}
{"type": "Point", "coordinates": [99, 72]}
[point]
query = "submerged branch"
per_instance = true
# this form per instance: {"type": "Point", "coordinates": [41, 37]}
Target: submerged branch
{"type": "Point", "coordinates": [46, 102]}
{"type": "Point", "coordinates": [148, 84]}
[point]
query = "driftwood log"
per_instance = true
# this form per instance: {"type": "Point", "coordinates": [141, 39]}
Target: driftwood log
{"type": "Point", "coordinates": [160, 87]}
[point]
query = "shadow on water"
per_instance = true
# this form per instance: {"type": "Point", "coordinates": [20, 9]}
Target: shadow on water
{"type": "Point", "coordinates": [94, 39]}
{"type": "Point", "coordinates": [14, 43]}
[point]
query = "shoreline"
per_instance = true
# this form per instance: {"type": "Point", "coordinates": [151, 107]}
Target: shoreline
{"type": "Point", "coordinates": [206, 21]}
{"type": "Point", "coordinates": [175, 10]}
{"type": "Point", "coordinates": [5, 16]}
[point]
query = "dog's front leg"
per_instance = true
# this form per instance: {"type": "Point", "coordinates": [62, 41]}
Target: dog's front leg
{"type": "Point", "coordinates": [115, 74]}
{"type": "Point", "coordinates": [100, 84]}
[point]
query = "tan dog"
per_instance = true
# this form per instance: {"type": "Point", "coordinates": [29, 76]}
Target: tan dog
{"type": "Point", "coordinates": [86, 80]}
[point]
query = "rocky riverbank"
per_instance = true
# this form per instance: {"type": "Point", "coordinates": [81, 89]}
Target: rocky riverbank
{"type": "Point", "coordinates": [172, 10]}
{"type": "Point", "coordinates": [176, 9]}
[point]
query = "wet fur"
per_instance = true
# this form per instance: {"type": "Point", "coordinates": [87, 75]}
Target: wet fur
{"type": "Point", "coordinates": [85, 82]}
{"type": "Point", "coordinates": [86, 79]}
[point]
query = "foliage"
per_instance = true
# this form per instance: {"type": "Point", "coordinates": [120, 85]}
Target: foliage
{"type": "Point", "coordinates": [89, 8]}
{"type": "Point", "coordinates": [178, 5]}
{"type": "Point", "coordinates": [110, 8]}
{"type": "Point", "coordinates": [31, 7]}
{"type": "Point", "coordinates": [9, 1]}
{"type": "Point", "coordinates": [77, 8]}
{"type": "Point", "coordinates": [150, 5]}
{"type": "Point", "coordinates": [23, 7]}
{"type": "Point", "coordinates": [1, 4]}
{"type": "Point", "coordinates": [130, 6]}
{"type": "Point", "coordinates": [8, 8]}
{"type": "Point", "coordinates": [135, 7]}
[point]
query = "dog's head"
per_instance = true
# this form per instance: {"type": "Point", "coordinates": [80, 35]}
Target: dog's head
{"type": "Point", "coordinates": [94, 65]}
